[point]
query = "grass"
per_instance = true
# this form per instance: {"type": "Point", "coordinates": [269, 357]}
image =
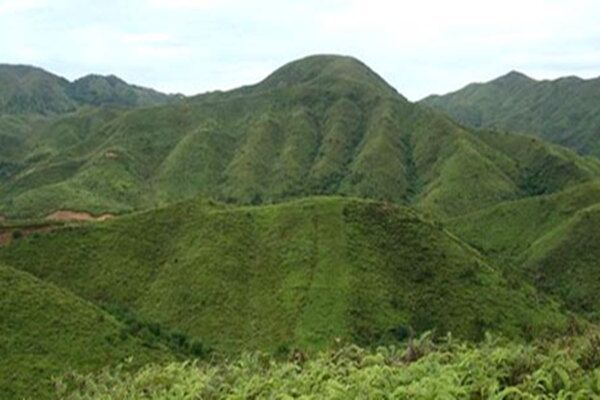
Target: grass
{"type": "Point", "coordinates": [296, 274]}
{"type": "Point", "coordinates": [47, 331]}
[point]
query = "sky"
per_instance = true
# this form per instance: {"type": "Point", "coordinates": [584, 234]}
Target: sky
{"type": "Point", "coordinates": [193, 46]}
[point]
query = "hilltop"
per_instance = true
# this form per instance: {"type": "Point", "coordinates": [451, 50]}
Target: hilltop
{"type": "Point", "coordinates": [565, 111]}
{"type": "Point", "coordinates": [28, 90]}
{"type": "Point", "coordinates": [321, 125]}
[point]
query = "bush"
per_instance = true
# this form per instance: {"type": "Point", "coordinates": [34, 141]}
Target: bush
{"type": "Point", "coordinates": [493, 369]}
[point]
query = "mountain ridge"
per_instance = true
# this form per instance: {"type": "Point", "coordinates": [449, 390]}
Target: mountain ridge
{"type": "Point", "coordinates": [317, 126]}
{"type": "Point", "coordinates": [22, 86]}
{"type": "Point", "coordinates": [564, 110]}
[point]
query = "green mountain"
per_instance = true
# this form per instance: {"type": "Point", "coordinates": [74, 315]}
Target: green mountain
{"type": "Point", "coordinates": [318, 126]}
{"type": "Point", "coordinates": [550, 240]}
{"type": "Point", "coordinates": [110, 90]}
{"type": "Point", "coordinates": [28, 90]}
{"type": "Point", "coordinates": [298, 274]}
{"type": "Point", "coordinates": [25, 89]}
{"type": "Point", "coordinates": [46, 331]}
{"type": "Point", "coordinates": [565, 111]}
{"type": "Point", "coordinates": [313, 208]}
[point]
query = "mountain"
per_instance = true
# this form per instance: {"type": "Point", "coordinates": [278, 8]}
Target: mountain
{"type": "Point", "coordinates": [549, 240]}
{"type": "Point", "coordinates": [25, 89]}
{"type": "Point", "coordinates": [46, 331]}
{"type": "Point", "coordinates": [297, 274]}
{"type": "Point", "coordinates": [565, 111]}
{"type": "Point", "coordinates": [110, 90]}
{"type": "Point", "coordinates": [29, 90]}
{"type": "Point", "coordinates": [318, 126]}
{"type": "Point", "coordinates": [316, 207]}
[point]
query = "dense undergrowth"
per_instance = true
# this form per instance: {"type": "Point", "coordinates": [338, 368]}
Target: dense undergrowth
{"type": "Point", "coordinates": [493, 369]}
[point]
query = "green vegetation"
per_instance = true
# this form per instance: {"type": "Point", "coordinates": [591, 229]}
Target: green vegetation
{"type": "Point", "coordinates": [47, 331]}
{"type": "Point", "coordinates": [31, 90]}
{"type": "Point", "coordinates": [495, 369]}
{"type": "Point", "coordinates": [565, 111]}
{"type": "Point", "coordinates": [296, 274]}
{"type": "Point", "coordinates": [550, 240]}
{"type": "Point", "coordinates": [318, 126]}
{"type": "Point", "coordinates": [316, 208]}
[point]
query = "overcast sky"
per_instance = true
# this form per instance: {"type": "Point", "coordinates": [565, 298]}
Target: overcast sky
{"type": "Point", "coordinates": [192, 46]}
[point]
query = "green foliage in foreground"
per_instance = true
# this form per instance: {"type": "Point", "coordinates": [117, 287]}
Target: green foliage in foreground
{"type": "Point", "coordinates": [569, 369]}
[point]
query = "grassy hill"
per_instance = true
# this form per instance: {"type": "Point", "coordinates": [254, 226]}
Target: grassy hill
{"type": "Point", "coordinates": [565, 111]}
{"type": "Point", "coordinates": [28, 90]}
{"type": "Point", "coordinates": [298, 274]}
{"type": "Point", "coordinates": [551, 240]}
{"type": "Point", "coordinates": [564, 262]}
{"type": "Point", "coordinates": [47, 331]}
{"type": "Point", "coordinates": [99, 90]}
{"type": "Point", "coordinates": [295, 213]}
{"type": "Point", "coordinates": [318, 126]}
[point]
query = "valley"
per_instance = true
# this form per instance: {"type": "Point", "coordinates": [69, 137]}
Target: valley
{"type": "Point", "coordinates": [317, 211]}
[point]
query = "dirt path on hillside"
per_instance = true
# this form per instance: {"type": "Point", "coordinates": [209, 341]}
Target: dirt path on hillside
{"type": "Point", "coordinates": [78, 216]}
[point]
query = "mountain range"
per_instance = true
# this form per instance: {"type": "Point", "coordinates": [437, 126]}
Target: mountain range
{"type": "Point", "coordinates": [564, 111]}
{"type": "Point", "coordinates": [315, 206]}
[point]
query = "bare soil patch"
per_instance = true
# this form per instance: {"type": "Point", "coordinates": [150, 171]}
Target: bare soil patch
{"type": "Point", "coordinates": [78, 216]}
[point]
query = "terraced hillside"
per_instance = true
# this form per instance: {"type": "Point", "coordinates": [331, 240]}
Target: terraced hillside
{"type": "Point", "coordinates": [320, 125]}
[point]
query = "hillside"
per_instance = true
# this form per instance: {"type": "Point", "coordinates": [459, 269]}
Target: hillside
{"type": "Point", "coordinates": [318, 126]}
{"type": "Point", "coordinates": [564, 262]}
{"type": "Point", "coordinates": [362, 271]}
{"type": "Point", "coordinates": [99, 90]}
{"type": "Point", "coordinates": [550, 240]}
{"type": "Point", "coordinates": [299, 217]}
{"type": "Point", "coordinates": [46, 331]}
{"type": "Point", "coordinates": [28, 90]}
{"type": "Point", "coordinates": [25, 89]}
{"type": "Point", "coordinates": [565, 111]}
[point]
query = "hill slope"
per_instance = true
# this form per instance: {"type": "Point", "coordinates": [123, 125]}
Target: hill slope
{"type": "Point", "coordinates": [295, 274]}
{"type": "Point", "coordinates": [29, 90]}
{"type": "Point", "coordinates": [47, 331]}
{"type": "Point", "coordinates": [320, 125]}
{"type": "Point", "coordinates": [551, 240]}
{"type": "Point", "coordinates": [565, 111]}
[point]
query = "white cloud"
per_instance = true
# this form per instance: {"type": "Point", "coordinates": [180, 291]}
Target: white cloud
{"type": "Point", "coordinates": [184, 4]}
{"type": "Point", "coordinates": [419, 47]}
{"type": "Point", "coordinates": [8, 7]}
{"type": "Point", "coordinates": [146, 37]}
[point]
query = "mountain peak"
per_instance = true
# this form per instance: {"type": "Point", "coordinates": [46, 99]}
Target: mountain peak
{"type": "Point", "coordinates": [513, 77]}
{"type": "Point", "coordinates": [323, 68]}
{"type": "Point", "coordinates": [112, 80]}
